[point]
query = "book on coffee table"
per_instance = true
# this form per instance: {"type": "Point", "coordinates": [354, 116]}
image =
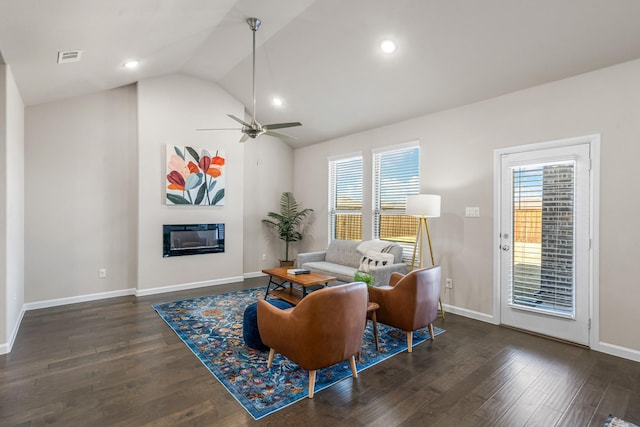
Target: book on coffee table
{"type": "Point", "coordinates": [297, 271]}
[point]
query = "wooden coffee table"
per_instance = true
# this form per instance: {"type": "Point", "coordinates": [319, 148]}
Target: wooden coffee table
{"type": "Point", "coordinates": [289, 293]}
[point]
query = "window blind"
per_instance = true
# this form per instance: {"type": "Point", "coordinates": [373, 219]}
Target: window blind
{"type": "Point", "coordinates": [345, 198]}
{"type": "Point", "coordinates": [543, 238]}
{"type": "Point", "coordinates": [396, 174]}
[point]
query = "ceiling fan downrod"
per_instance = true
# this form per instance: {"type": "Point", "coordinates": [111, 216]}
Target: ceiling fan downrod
{"type": "Point", "coordinates": [254, 24]}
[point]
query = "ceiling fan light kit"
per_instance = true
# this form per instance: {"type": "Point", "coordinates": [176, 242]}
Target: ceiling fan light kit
{"type": "Point", "coordinates": [255, 129]}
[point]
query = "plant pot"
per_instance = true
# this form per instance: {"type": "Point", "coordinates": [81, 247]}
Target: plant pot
{"type": "Point", "coordinates": [287, 263]}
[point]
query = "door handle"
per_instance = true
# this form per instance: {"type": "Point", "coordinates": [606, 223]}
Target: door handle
{"type": "Point", "coordinates": [505, 247]}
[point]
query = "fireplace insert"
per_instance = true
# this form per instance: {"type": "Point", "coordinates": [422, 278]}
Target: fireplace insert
{"type": "Point", "coordinates": [192, 239]}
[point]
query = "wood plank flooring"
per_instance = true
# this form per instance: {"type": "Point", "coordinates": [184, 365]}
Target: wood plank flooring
{"type": "Point", "coordinates": [116, 363]}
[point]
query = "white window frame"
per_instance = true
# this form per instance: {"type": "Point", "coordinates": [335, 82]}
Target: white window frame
{"type": "Point", "coordinates": [377, 184]}
{"type": "Point", "coordinates": [332, 209]}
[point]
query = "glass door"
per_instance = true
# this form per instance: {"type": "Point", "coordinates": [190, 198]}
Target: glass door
{"type": "Point", "coordinates": [544, 241]}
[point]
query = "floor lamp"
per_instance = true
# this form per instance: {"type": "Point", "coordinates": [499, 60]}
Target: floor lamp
{"type": "Point", "coordinates": [423, 206]}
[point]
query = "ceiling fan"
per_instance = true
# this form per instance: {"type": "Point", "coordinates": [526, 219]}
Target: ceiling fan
{"type": "Point", "coordinates": [255, 129]}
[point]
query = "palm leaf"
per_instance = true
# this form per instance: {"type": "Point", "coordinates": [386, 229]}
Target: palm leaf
{"type": "Point", "coordinates": [288, 220]}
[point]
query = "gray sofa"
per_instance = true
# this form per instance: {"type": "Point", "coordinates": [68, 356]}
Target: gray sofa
{"type": "Point", "coordinates": [342, 260]}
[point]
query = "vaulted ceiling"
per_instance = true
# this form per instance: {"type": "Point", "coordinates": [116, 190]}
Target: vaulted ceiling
{"type": "Point", "coordinates": [321, 56]}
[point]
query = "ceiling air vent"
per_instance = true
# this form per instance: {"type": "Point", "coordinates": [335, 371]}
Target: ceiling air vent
{"type": "Point", "coordinates": [69, 56]}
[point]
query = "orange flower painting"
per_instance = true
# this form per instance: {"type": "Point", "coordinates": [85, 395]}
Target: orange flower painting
{"type": "Point", "coordinates": [194, 176]}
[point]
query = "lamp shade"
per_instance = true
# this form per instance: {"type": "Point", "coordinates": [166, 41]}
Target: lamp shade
{"type": "Point", "coordinates": [423, 205]}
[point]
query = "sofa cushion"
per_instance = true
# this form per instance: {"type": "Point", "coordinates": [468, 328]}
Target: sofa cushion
{"type": "Point", "coordinates": [375, 259]}
{"type": "Point", "coordinates": [343, 273]}
{"type": "Point", "coordinates": [343, 252]}
{"type": "Point", "coordinates": [397, 252]}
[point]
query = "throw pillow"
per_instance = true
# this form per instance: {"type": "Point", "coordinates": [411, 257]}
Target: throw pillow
{"type": "Point", "coordinates": [374, 259]}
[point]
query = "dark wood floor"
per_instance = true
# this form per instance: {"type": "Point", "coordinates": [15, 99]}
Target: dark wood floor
{"type": "Point", "coordinates": [116, 363]}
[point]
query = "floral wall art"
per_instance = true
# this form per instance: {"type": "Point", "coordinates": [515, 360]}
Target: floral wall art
{"type": "Point", "coordinates": [195, 176]}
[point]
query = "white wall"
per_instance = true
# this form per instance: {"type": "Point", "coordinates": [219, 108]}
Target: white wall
{"type": "Point", "coordinates": [457, 162]}
{"type": "Point", "coordinates": [268, 173]}
{"type": "Point", "coordinates": [15, 205]}
{"type": "Point", "coordinates": [170, 108]}
{"type": "Point", "coordinates": [11, 208]}
{"type": "Point", "coordinates": [80, 187]}
{"type": "Point", "coordinates": [103, 202]}
{"type": "Point", "coordinates": [4, 324]}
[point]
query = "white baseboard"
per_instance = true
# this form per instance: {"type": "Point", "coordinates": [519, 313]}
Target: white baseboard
{"type": "Point", "coordinates": [616, 350]}
{"type": "Point", "coordinates": [254, 275]}
{"type": "Point", "coordinates": [81, 298]}
{"type": "Point", "coordinates": [6, 347]}
{"type": "Point", "coordinates": [187, 286]}
{"type": "Point", "coordinates": [123, 292]}
{"type": "Point", "coordinates": [483, 317]}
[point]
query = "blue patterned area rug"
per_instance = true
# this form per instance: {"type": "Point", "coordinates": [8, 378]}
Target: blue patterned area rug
{"type": "Point", "coordinates": [211, 327]}
{"type": "Point", "coordinates": [612, 421]}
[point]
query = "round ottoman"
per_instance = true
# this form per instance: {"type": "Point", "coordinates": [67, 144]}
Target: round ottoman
{"type": "Point", "coordinates": [250, 331]}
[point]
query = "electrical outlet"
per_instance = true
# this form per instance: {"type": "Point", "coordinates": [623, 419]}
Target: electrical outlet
{"type": "Point", "coordinates": [102, 273]}
{"type": "Point", "coordinates": [448, 283]}
{"type": "Point", "coordinates": [264, 257]}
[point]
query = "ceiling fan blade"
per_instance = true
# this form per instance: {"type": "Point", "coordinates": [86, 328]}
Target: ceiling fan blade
{"type": "Point", "coordinates": [242, 122]}
{"type": "Point", "coordinates": [281, 125]}
{"type": "Point", "coordinates": [220, 129]}
{"type": "Point", "coordinates": [280, 135]}
{"type": "Point", "coordinates": [244, 137]}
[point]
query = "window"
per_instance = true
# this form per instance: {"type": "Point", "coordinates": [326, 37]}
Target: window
{"type": "Point", "coordinates": [345, 198]}
{"type": "Point", "coordinates": [396, 174]}
{"type": "Point", "coordinates": [543, 237]}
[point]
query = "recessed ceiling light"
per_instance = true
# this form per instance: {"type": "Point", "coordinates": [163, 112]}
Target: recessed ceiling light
{"type": "Point", "coordinates": [131, 64]}
{"type": "Point", "coordinates": [388, 46]}
{"type": "Point", "coordinates": [278, 102]}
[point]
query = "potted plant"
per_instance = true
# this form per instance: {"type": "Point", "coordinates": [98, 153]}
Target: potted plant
{"type": "Point", "coordinates": [361, 276]}
{"type": "Point", "coordinates": [287, 222]}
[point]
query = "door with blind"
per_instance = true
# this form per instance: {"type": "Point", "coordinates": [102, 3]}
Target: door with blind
{"type": "Point", "coordinates": [545, 241]}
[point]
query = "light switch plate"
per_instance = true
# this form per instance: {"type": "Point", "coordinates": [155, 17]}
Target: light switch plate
{"type": "Point", "coordinates": [473, 212]}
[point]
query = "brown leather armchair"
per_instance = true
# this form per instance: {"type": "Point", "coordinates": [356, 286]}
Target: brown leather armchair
{"type": "Point", "coordinates": [325, 328]}
{"type": "Point", "coordinates": [409, 302]}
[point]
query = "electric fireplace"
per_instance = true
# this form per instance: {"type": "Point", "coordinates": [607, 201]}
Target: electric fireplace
{"type": "Point", "coordinates": [192, 239]}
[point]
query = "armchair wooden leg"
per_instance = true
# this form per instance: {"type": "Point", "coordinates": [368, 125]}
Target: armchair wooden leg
{"type": "Point", "coordinates": [431, 331]}
{"type": "Point", "coordinates": [441, 308]}
{"type": "Point", "coordinates": [352, 362]}
{"type": "Point", "coordinates": [409, 341]}
{"type": "Point", "coordinates": [312, 383]}
{"type": "Point", "coordinates": [272, 353]}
